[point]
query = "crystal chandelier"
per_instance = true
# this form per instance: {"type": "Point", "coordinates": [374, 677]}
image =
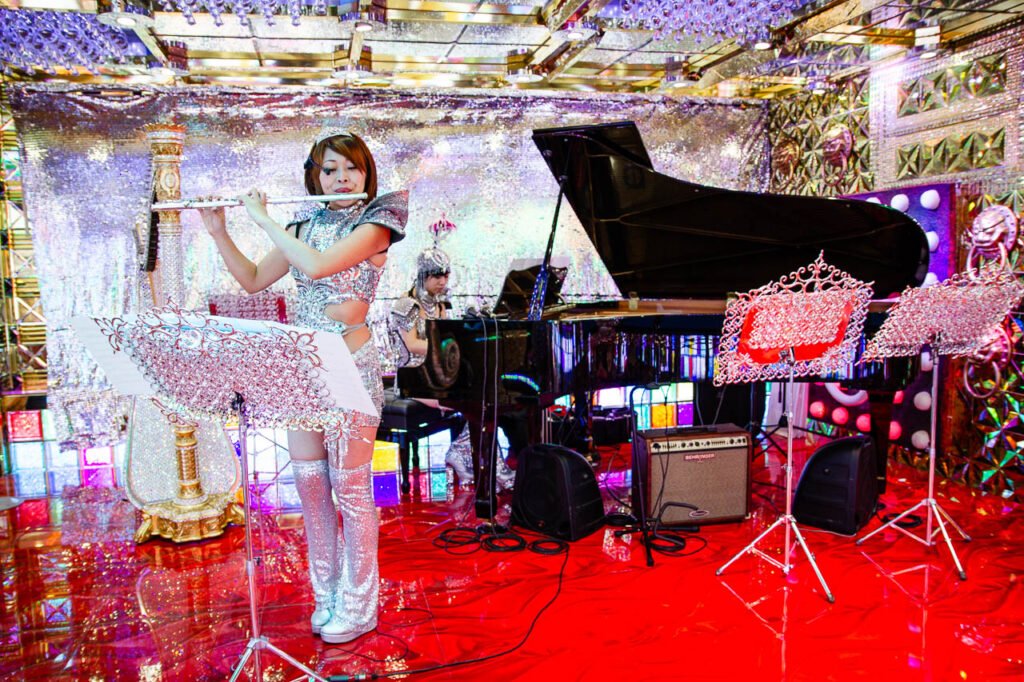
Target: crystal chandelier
{"type": "Point", "coordinates": [709, 21]}
{"type": "Point", "coordinates": [50, 40]}
{"type": "Point", "coordinates": [242, 8]}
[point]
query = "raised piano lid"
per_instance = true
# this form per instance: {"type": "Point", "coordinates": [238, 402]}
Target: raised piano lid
{"type": "Point", "coordinates": [663, 238]}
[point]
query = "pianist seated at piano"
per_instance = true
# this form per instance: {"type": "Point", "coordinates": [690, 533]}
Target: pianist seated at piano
{"type": "Point", "coordinates": [428, 300]}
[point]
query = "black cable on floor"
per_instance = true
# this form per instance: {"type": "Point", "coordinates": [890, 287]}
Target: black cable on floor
{"type": "Point", "coordinates": [480, 659]}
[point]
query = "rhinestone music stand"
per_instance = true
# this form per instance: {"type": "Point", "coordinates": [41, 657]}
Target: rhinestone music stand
{"type": "Point", "coordinates": [956, 318]}
{"type": "Point", "coordinates": [263, 374]}
{"type": "Point", "coordinates": [807, 324]}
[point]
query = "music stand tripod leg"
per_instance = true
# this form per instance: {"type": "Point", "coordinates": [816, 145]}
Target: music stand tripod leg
{"type": "Point", "coordinates": [933, 509]}
{"type": "Point", "coordinates": [750, 548]}
{"type": "Point", "coordinates": [257, 641]}
{"type": "Point", "coordinates": [811, 560]}
{"type": "Point", "coordinates": [894, 523]}
{"type": "Point", "coordinates": [950, 521]}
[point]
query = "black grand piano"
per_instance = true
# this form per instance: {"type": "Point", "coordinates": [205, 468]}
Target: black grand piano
{"type": "Point", "coordinates": [676, 250]}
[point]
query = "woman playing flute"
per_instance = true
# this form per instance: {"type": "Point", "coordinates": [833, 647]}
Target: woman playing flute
{"type": "Point", "coordinates": [336, 253]}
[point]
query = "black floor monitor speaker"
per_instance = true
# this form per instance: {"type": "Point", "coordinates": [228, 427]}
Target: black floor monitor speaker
{"type": "Point", "coordinates": [556, 493]}
{"type": "Point", "coordinates": [693, 475]}
{"type": "Point", "coordinates": [838, 489]}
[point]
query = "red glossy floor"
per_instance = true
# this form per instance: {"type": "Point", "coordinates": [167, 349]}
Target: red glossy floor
{"type": "Point", "coordinates": [116, 611]}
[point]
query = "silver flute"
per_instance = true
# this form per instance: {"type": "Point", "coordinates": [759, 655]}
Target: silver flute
{"type": "Point", "coordinates": [183, 204]}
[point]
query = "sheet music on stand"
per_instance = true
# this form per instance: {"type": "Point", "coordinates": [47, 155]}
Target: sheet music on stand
{"type": "Point", "coordinates": [956, 318]}
{"type": "Point", "coordinates": [806, 324]}
{"type": "Point", "coordinates": [196, 363]}
{"type": "Point", "coordinates": [517, 289]}
{"type": "Point", "coordinates": [261, 373]}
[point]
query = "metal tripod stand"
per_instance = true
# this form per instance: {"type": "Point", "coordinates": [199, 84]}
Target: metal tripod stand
{"type": "Point", "coordinates": [936, 517]}
{"type": "Point", "coordinates": [786, 520]}
{"type": "Point", "coordinates": [257, 640]}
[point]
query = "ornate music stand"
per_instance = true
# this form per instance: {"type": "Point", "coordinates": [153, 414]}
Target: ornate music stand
{"type": "Point", "coordinates": [263, 374]}
{"type": "Point", "coordinates": [954, 317]}
{"type": "Point", "coordinates": [806, 324]}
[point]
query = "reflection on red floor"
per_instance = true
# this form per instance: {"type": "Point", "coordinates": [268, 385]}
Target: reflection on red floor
{"type": "Point", "coordinates": [111, 610]}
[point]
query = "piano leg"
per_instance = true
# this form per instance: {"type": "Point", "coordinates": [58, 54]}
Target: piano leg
{"type": "Point", "coordinates": [485, 450]}
{"type": "Point", "coordinates": [880, 405]}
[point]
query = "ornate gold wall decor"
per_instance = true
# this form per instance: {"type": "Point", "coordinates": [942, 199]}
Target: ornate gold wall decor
{"type": "Point", "coordinates": [956, 153]}
{"type": "Point", "coordinates": [990, 455]}
{"type": "Point", "coordinates": [25, 366]}
{"type": "Point", "coordinates": [957, 116]}
{"type": "Point", "coordinates": [836, 150]}
{"type": "Point", "coordinates": [958, 82]}
{"type": "Point", "coordinates": [821, 144]}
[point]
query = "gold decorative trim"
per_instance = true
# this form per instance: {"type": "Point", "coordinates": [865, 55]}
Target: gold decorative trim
{"type": "Point", "coordinates": [181, 523]}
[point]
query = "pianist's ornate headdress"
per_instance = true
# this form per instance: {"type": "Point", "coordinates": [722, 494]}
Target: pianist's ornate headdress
{"type": "Point", "coordinates": [433, 262]}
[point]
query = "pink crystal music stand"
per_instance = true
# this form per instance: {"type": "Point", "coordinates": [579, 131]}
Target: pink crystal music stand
{"type": "Point", "coordinates": [806, 324]}
{"type": "Point", "coordinates": [262, 374]}
{"type": "Point", "coordinates": [955, 318]}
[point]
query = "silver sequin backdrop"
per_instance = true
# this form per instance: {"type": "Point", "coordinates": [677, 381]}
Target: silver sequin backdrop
{"type": "Point", "coordinates": [467, 157]}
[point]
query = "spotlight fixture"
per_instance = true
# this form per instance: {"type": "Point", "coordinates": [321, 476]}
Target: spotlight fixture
{"type": "Point", "coordinates": [121, 15]}
{"type": "Point", "coordinates": [679, 71]}
{"type": "Point", "coordinates": [576, 31]}
{"type": "Point", "coordinates": [526, 75]}
{"type": "Point", "coordinates": [519, 69]}
{"type": "Point", "coordinates": [365, 20]}
{"type": "Point", "coordinates": [358, 72]}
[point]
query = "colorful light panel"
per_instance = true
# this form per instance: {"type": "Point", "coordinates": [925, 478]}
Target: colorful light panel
{"type": "Point", "coordinates": [25, 425]}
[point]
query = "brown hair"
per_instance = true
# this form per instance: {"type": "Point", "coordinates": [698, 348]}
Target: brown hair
{"type": "Point", "coordinates": [352, 148]}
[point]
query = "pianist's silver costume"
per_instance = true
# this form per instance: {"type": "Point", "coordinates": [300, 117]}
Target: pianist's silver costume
{"type": "Point", "coordinates": [412, 312]}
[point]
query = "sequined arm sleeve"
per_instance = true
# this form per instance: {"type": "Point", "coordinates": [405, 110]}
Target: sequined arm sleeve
{"type": "Point", "coordinates": [303, 213]}
{"type": "Point", "coordinates": [390, 210]}
{"type": "Point", "coordinates": [404, 313]}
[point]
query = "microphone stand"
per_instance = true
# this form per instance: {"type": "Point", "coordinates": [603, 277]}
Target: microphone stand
{"type": "Point", "coordinates": [639, 480]}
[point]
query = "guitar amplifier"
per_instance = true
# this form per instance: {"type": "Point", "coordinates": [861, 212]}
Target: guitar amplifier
{"type": "Point", "coordinates": [707, 467]}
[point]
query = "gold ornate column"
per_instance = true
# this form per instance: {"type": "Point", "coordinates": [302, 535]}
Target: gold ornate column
{"type": "Point", "coordinates": [192, 514]}
{"type": "Point", "coordinates": [166, 142]}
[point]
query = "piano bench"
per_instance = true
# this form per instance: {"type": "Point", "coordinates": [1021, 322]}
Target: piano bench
{"type": "Point", "coordinates": [405, 420]}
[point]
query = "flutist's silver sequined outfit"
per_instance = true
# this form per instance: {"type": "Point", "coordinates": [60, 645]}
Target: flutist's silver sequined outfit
{"type": "Point", "coordinates": [343, 565]}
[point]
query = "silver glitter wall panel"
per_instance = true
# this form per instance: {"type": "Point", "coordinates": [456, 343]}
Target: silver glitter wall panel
{"type": "Point", "coordinates": [468, 158]}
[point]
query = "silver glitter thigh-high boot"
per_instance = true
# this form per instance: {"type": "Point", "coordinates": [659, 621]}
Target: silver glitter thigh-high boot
{"type": "Point", "coordinates": [320, 519]}
{"type": "Point", "coordinates": [355, 602]}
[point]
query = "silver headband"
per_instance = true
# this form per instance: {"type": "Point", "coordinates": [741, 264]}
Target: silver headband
{"type": "Point", "coordinates": [327, 132]}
